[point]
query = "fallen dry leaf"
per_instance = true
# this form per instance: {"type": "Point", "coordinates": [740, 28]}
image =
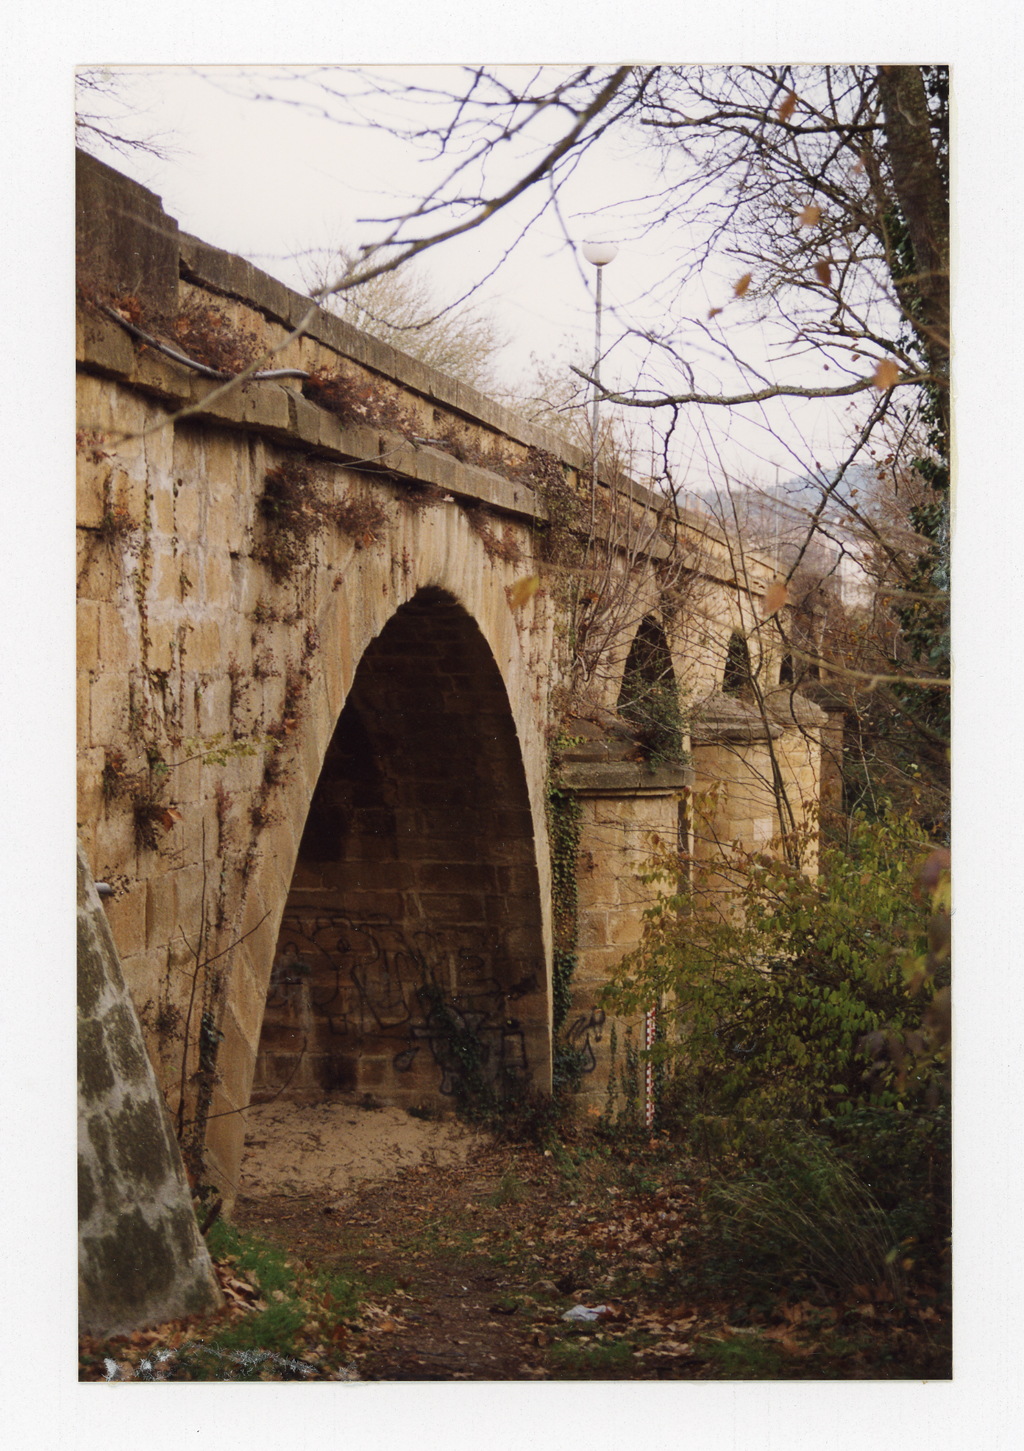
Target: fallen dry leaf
{"type": "Point", "coordinates": [788, 107]}
{"type": "Point", "coordinates": [886, 374]}
{"type": "Point", "coordinates": [523, 591]}
{"type": "Point", "coordinates": [775, 597]}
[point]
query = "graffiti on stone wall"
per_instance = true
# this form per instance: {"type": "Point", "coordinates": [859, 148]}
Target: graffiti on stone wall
{"type": "Point", "coordinates": [578, 1037]}
{"type": "Point", "coordinates": [498, 1046]}
{"type": "Point", "coordinates": [433, 991]}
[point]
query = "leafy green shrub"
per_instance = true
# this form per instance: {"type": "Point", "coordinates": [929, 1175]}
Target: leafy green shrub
{"type": "Point", "coordinates": [656, 713]}
{"type": "Point", "coordinates": [771, 984]}
{"type": "Point", "coordinates": [907, 1157]}
{"type": "Point", "coordinates": [803, 1213]}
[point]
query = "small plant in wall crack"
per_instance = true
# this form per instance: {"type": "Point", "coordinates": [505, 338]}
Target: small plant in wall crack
{"type": "Point", "coordinates": [149, 811]}
{"type": "Point", "coordinates": [223, 802]}
{"type": "Point", "coordinates": [296, 678]}
{"type": "Point", "coordinates": [261, 813]}
{"type": "Point", "coordinates": [116, 522]}
{"type": "Point", "coordinates": [114, 778]}
{"type": "Point", "coordinates": [276, 769]}
{"type": "Point", "coordinates": [265, 613]}
{"type": "Point", "coordinates": [502, 546]}
{"type": "Point", "coordinates": [362, 519]}
{"type": "Point", "coordinates": [417, 495]}
{"type": "Point", "coordinates": [144, 792]}
{"type": "Point", "coordinates": [294, 508]}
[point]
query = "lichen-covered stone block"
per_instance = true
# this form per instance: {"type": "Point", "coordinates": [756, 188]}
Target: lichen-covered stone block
{"type": "Point", "coordinates": [141, 1258]}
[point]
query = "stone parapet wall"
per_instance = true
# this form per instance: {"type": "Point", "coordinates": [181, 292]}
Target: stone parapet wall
{"type": "Point", "coordinates": [252, 680]}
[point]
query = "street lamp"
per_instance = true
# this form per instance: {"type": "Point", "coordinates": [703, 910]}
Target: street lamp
{"type": "Point", "coordinates": [598, 254]}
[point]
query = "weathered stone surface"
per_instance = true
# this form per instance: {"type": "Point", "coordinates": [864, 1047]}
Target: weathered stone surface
{"type": "Point", "coordinates": [124, 241]}
{"type": "Point", "coordinates": [141, 1258]}
{"type": "Point", "coordinates": [350, 746]}
{"type": "Point", "coordinates": [792, 708]}
{"type": "Point", "coordinates": [725, 718]}
{"type": "Point", "coordinates": [623, 778]}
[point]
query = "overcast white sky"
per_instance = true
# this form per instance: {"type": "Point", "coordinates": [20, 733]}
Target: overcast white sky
{"type": "Point", "coordinates": [271, 178]}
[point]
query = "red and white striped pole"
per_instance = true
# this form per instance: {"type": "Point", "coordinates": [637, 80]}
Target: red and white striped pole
{"type": "Point", "coordinates": [650, 1026]}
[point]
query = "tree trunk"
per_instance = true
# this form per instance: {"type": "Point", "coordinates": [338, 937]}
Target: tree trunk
{"type": "Point", "coordinates": [921, 194]}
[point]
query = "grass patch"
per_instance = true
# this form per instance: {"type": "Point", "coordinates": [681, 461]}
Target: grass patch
{"type": "Point", "coordinates": [801, 1213]}
{"type": "Point", "coordinates": [591, 1359]}
{"type": "Point", "coordinates": [744, 1357]}
{"type": "Point", "coordinates": [510, 1190]}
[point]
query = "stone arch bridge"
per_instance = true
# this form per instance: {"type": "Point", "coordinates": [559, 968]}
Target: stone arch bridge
{"type": "Point", "coordinates": [345, 649]}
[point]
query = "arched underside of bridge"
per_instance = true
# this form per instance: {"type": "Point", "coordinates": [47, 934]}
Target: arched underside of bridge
{"type": "Point", "coordinates": [412, 942]}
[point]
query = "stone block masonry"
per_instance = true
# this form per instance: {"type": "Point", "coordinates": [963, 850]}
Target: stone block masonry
{"type": "Point", "coordinates": [316, 711]}
{"type": "Point", "coordinates": [142, 1259]}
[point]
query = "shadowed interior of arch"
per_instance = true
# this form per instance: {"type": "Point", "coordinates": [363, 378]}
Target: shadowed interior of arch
{"type": "Point", "coordinates": [737, 676]}
{"type": "Point", "coordinates": [649, 694]}
{"type": "Point", "coordinates": [410, 956]}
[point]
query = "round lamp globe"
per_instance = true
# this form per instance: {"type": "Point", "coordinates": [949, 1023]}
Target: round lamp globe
{"type": "Point", "coordinates": [599, 254]}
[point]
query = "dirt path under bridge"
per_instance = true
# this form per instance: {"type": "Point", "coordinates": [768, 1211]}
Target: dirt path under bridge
{"type": "Point", "coordinates": [396, 1200]}
{"type": "Point", "coordinates": [475, 1251]}
{"type": "Point", "coordinates": [476, 1259]}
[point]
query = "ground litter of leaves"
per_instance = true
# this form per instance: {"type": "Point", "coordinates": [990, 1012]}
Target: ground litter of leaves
{"type": "Point", "coordinates": [469, 1272]}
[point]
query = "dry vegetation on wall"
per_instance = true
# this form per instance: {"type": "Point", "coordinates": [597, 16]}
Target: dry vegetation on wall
{"type": "Point", "coordinates": [205, 333]}
{"type": "Point", "coordinates": [358, 400]}
{"type": "Point", "coordinates": [611, 558]}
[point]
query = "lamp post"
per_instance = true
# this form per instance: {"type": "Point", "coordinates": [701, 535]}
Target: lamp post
{"type": "Point", "coordinates": [598, 254]}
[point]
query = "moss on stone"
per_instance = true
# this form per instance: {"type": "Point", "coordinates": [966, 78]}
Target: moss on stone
{"type": "Point", "coordinates": [91, 977]}
{"type": "Point", "coordinates": [94, 1073]}
{"type": "Point", "coordinates": [124, 1044]}
{"type": "Point", "coordinates": [129, 1263]}
{"type": "Point", "coordinates": [86, 1192]}
{"type": "Point", "coordinates": [143, 1153]}
{"type": "Point", "coordinates": [198, 1297]}
{"type": "Point", "coordinates": [183, 1230]}
{"type": "Point", "coordinates": [109, 1183]}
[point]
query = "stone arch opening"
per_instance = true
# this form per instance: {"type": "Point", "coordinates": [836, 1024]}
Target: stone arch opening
{"type": "Point", "coordinates": [410, 961]}
{"type": "Point", "coordinates": [649, 694]}
{"type": "Point", "coordinates": [648, 664]}
{"type": "Point", "coordinates": [790, 674]}
{"type": "Point", "coordinates": [738, 673]}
